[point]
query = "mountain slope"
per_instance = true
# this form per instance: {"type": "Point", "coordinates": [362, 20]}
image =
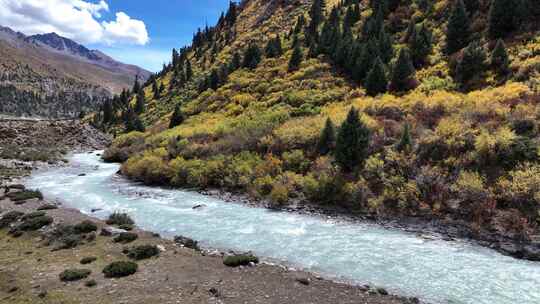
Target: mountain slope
{"type": "Point", "coordinates": [49, 75]}
{"type": "Point", "coordinates": [447, 134]}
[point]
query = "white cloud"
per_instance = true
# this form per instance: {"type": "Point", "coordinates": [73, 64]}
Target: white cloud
{"type": "Point", "coordinates": [125, 29]}
{"type": "Point", "coordinates": [75, 19]}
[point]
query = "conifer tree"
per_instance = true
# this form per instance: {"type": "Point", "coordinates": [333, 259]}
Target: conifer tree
{"type": "Point", "coordinates": [155, 89]}
{"type": "Point", "coordinates": [136, 85]}
{"type": "Point", "coordinates": [403, 73]}
{"type": "Point", "coordinates": [316, 14]}
{"type": "Point", "coordinates": [352, 142]}
{"type": "Point", "coordinates": [108, 114]}
{"type": "Point", "coordinates": [420, 44]}
{"type": "Point", "coordinates": [503, 18]}
{"type": "Point", "coordinates": [327, 140]}
{"type": "Point", "coordinates": [231, 13]}
{"type": "Point", "coordinates": [472, 63]}
{"type": "Point", "coordinates": [458, 29]}
{"type": "Point", "coordinates": [405, 142]}
{"type": "Point", "coordinates": [139, 102]}
{"type": "Point", "coordinates": [252, 57]}
{"type": "Point", "coordinates": [273, 48]}
{"type": "Point", "coordinates": [133, 122]}
{"type": "Point", "coordinates": [376, 81]}
{"type": "Point", "coordinates": [235, 63]}
{"type": "Point", "coordinates": [189, 71]}
{"type": "Point", "coordinates": [300, 23]}
{"type": "Point", "coordinates": [296, 58]}
{"type": "Point", "coordinates": [177, 117]}
{"type": "Point", "coordinates": [213, 81]}
{"type": "Point", "coordinates": [386, 47]}
{"type": "Point", "coordinates": [500, 61]}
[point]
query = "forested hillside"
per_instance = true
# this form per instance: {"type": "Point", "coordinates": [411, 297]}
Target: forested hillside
{"type": "Point", "coordinates": [387, 108]}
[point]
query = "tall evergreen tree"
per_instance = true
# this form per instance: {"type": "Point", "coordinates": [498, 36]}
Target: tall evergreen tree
{"type": "Point", "coordinates": [405, 142]}
{"type": "Point", "coordinates": [235, 62]}
{"type": "Point", "coordinates": [214, 80]}
{"type": "Point", "coordinates": [386, 46]}
{"type": "Point", "coordinates": [133, 122]}
{"type": "Point", "coordinates": [296, 58]}
{"type": "Point", "coordinates": [472, 63]}
{"type": "Point", "coordinates": [274, 48]}
{"type": "Point", "coordinates": [232, 13]}
{"type": "Point", "coordinates": [420, 43]}
{"type": "Point", "coordinates": [503, 18]}
{"type": "Point", "coordinates": [403, 73]}
{"type": "Point", "coordinates": [177, 117]}
{"type": "Point", "coordinates": [500, 61]}
{"type": "Point", "coordinates": [139, 102]}
{"type": "Point", "coordinates": [327, 140]}
{"type": "Point", "coordinates": [108, 112]}
{"type": "Point", "coordinates": [376, 82]}
{"type": "Point", "coordinates": [316, 14]}
{"type": "Point", "coordinates": [189, 71]}
{"type": "Point", "coordinates": [155, 89]}
{"type": "Point", "coordinates": [352, 142]}
{"type": "Point", "coordinates": [136, 85]}
{"type": "Point", "coordinates": [458, 28]}
{"type": "Point", "coordinates": [252, 57]}
{"type": "Point", "coordinates": [300, 23]}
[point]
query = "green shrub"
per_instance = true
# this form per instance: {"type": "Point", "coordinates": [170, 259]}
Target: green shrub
{"type": "Point", "coordinates": [119, 219]}
{"type": "Point", "coordinates": [90, 283]}
{"type": "Point", "coordinates": [70, 275]}
{"type": "Point", "coordinates": [24, 195]}
{"type": "Point", "coordinates": [9, 218]}
{"type": "Point", "coordinates": [279, 195]}
{"type": "Point", "coordinates": [126, 227]}
{"type": "Point", "coordinates": [88, 260]}
{"type": "Point", "coordinates": [35, 223]}
{"type": "Point", "coordinates": [85, 227]}
{"type": "Point", "coordinates": [33, 215]}
{"type": "Point", "coordinates": [65, 237]}
{"type": "Point", "coordinates": [47, 207]}
{"type": "Point", "coordinates": [240, 260]}
{"type": "Point", "coordinates": [120, 269]}
{"type": "Point", "coordinates": [125, 237]}
{"type": "Point", "coordinates": [142, 252]}
{"type": "Point", "coordinates": [295, 161]}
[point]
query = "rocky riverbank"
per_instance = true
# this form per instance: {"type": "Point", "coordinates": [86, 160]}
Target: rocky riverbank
{"type": "Point", "coordinates": [31, 263]}
{"type": "Point", "coordinates": [41, 250]}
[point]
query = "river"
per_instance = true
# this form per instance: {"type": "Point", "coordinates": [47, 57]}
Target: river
{"type": "Point", "coordinates": [436, 271]}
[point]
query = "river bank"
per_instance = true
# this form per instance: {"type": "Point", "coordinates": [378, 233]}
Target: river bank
{"type": "Point", "coordinates": [29, 269]}
{"type": "Point", "coordinates": [178, 275]}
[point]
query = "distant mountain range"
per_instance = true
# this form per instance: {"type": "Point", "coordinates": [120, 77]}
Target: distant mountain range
{"type": "Point", "coordinates": [50, 75]}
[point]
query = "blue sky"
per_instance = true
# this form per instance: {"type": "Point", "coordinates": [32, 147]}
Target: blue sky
{"type": "Point", "coordinates": [170, 24]}
{"type": "Point", "coordinates": [141, 32]}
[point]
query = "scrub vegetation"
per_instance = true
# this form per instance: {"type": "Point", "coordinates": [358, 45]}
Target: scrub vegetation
{"type": "Point", "coordinates": [384, 108]}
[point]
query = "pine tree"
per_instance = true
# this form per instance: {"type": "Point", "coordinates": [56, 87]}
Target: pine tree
{"type": "Point", "coordinates": [252, 57]}
{"type": "Point", "coordinates": [108, 114]}
{"type": "Point", "coordinates": [300, 23]}
{"type": "Point", "coordinates": [296, 58]}
{"type": "Point", "coordinates": [177, 117]}
{"type": "Point", "coordinates": [327, 140]}
{"type": "Point", "coordinates": [316, 14]}
{"type": "Point", "coordinates": [189, 71]}
{"type": "Point", "coordinates": [386, 46]}
{"type": "Point", "coordinates": [273, 48]}
{"type": "Point", "coordinates": [140, 102]}
{"type": "Point", "coordinates": [405, 142]}
{"type": "Point", "coordinates": [231, 13]}
{"type": "Point", "coordinates": [133, 122]}
{"type": "Point", "coordinates": [420, 44]}
{"type": "Point", "coordinates": [155, 89]}
{"type": "Point", "coordinates": [376, 81]}
{"type": "Point", "coordinates": [136, 85]}
{"type": "Point", "coordinates": [213, 81]}
{"type": "Point", "coordinates": [503, 18]}
{"type": "Point", "coordinates": [352, 142]}
{"type": "Point", "coordinates": [458, 29]}
{"type": "Point", "coordinates": [472, 62]}
{"type": "Point", "coordinates": [500, 61]}
{"type": "Point", "coordinates": [403, 73]}
{"type": "Point", "coordinates": [235, 62]}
